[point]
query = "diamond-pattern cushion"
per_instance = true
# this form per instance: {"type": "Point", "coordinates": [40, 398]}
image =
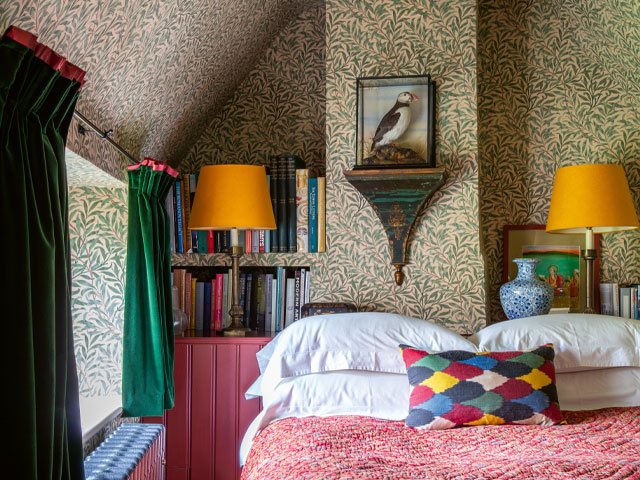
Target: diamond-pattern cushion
{"type": "Point", "coordinates": [455, 388]}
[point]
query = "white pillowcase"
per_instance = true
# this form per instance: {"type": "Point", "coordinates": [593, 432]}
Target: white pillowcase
{"type": "Point", "coordinates": [594, 389]}
{"type": "Point", "coordinates": [581, 341]}
{"type": "Point", "coordinates": [354, 341]}
{"type": "Point", "coordinates": [345, 392]}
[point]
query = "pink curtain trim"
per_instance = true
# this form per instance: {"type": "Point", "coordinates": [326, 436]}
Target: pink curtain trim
{"type": "Point", "coordinates": [156, 165]}
{"type": "Point", "coordinates": [57, 62]}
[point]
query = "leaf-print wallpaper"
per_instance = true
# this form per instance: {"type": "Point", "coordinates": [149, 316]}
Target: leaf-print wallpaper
{"type": "Point", "coordinates": [559, 84]}
{"type": "Point", "coordinates": [98, 229]}
{"type": "Point", "coordinates": [444, 280]}
{"type": "Point", "coordinates": [157, 70]}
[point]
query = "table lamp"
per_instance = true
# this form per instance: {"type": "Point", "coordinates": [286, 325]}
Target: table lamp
{"type": "Point", "coordinates": [591, 199]}
{"type": "Point", "coordinates": [232, 197]}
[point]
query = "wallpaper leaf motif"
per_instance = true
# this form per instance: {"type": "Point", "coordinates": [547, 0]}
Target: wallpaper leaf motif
{"type": "Point", "coordinates": [98, 220]}
{"type": "Point", "coordinates": [556, 88]}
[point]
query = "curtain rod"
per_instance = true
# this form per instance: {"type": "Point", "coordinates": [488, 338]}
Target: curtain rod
{"type": "Point", "coordinates": [102, 134]}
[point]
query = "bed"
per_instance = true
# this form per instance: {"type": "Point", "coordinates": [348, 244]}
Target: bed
{"type": "Point", "coordinates": [340, 396]}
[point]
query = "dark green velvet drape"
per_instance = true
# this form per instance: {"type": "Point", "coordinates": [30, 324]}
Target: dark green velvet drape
{"type": "Point", "coordinates": [147, 373]}
{"type": "Point", "coordinates": [40, 414]}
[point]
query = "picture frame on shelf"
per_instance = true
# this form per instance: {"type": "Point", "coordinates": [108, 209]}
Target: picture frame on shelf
{"type": "Point", "coordinates": [559, 257]}
{"type": "Point", "coordinates": [382, 106]}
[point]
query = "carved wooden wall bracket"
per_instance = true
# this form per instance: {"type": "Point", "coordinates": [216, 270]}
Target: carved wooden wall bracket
{"type": "Point", "coordinates": [397, 195]}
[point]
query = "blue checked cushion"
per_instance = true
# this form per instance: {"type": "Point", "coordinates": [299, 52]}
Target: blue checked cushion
{"type": "Point", "coordinates": [454, 388]}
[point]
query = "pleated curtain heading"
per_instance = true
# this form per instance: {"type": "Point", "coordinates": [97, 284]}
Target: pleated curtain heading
{"type": "Point", "coordinates": [148, 350]}
{"type": "Point", "coordinates": [41, 417]}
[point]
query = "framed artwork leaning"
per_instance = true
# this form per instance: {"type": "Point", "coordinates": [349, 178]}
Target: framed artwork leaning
{"type": "Point", "coordinates": [560, 263]}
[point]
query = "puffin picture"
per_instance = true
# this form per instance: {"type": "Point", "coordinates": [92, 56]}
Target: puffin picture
{"type": "Point", "coordinates": [395, 121]}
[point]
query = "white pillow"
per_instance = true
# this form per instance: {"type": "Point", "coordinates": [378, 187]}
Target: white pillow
{"type": "Point", "coordinates": [345, 392]}
{"type": "Point", "coordinates": [581, 341]}
{"type": "Point", "coordinates": [594, 389]}
{"type": "Point", "coordinates": [354, 341]}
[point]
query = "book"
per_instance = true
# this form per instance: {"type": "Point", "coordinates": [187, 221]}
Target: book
{"type": "Point", "coordinates": [247, 241]}
{"type": "Point", "coordinates": [210, 241]}
{"type": "Point", "coordinates": [206, 315]}
{"type": "Point", "coordinates": [199, 303]}
{"type": "Point", "coordinates": [202, 241]}
{"type": "Point", "coordinates": [307, 286]}
{"type": "Point", "coordinates": [229, 300]}
{"type": "Point", "coordinates": [193, 302]}
{"type": "Point", "coordinates": [296, 295]}
{"type": "Point", "coordinates": [247, 300]}
{"type": "Point", "coordinates": [261, 241]}
{"type": "Point", "coordinates": [291, 164]}
{"type": "Point", "coordinates": [179, 215]}
{"type": "Point", "coordinates": [322, 212]}
{"type": "Point", "coordinates": [186, 201]}
{"type": "Point", "coordinates": [260, 302]}
{"type": "Point", "coordinates": [279, 290]}
{"type": "Point", "coordinates": [273, 173]}
{"type": "Point", "coordinates": [274, 288]}
{"type": "Point", "coordinates": [313, 215]}
{"type": "Point", "coordinates": [218, 303]}
{"type": "Point", "coordinates": [187, 300]}
{"type": "Point", "coordinates": [302, 209]}
{"type": "Point", "coordinates": [168, 205]}
{"type": "Point", "coordinates": [255, 241]}
{"type": "Point", "coordinates": [625, 301]}
{"type": "Point", "coordinates": [268, 303]}
{"type": "Point", "coordinates": [290, 301]}
{"type": "Point", "coordinates": [303, 279]}
{"type": "Point", "coordinates": [267, 233]}
{"type": "Point", "coordinates": [281, 195]}
{"type": "Point", "coordinates": [242, 290]}
{"type": "Point", "coordinates": [607, 297]}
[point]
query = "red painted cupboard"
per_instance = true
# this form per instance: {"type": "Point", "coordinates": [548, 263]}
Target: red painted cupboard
{"type": "Point", "coordinates": [210, 416]}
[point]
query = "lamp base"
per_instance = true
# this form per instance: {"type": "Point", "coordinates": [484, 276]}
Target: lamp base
{"type": "Point", "coordinates": [234, 331]}
{"type": "Point", "coordinates": [589, 255]}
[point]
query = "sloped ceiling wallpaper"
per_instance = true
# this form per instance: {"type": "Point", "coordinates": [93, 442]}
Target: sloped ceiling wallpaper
{"type": "Point", "coordinates": [559, 84]}
{"type": "Point", "coordinates": [157, 70]}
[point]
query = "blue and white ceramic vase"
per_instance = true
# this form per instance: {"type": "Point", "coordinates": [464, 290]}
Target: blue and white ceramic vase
{"type": "Point", "coordinates": [526, 295]}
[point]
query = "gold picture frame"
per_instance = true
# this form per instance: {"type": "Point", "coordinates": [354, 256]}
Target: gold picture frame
{"type": "Point", "coordinates": [518, 236]}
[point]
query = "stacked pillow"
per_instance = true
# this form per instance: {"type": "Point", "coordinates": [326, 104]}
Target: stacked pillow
{"type": "Point", "coordinates": [349, 364]}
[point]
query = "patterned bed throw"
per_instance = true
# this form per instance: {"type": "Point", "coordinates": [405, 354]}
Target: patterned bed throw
{"type": "Point", "coordinates": [594, 445]}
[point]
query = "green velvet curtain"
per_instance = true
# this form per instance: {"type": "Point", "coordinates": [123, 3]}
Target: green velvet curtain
{"type": "Point", "coordinates": [41, 417]}
{"type": "Point", "coordinates": [147, 373]}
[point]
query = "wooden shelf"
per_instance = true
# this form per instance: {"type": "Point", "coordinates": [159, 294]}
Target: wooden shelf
{"type": "Point", "coordinates": [247, 260]}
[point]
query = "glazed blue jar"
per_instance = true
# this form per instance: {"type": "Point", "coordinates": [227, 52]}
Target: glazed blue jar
{"type": "Point", "coordinates": [526, 295]}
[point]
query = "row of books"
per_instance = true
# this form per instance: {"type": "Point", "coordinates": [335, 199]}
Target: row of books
{"type": "Point", "coordinates": [299, 205]}
{"type": "Point", "coordinates": [620, 300]}
{"type": "Point", "coordinates": [271, 299]}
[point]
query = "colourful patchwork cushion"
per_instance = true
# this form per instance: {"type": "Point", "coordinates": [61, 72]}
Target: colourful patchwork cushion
{"type": "Point", "coordinates": [455, 388]}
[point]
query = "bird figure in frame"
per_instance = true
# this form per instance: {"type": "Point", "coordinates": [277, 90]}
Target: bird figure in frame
{"type": "Point", "coordinates": [395, 121]}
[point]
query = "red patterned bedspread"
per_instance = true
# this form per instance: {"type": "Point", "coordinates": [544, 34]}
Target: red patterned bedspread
{"type": "Point", "coordinates": [594, 445]}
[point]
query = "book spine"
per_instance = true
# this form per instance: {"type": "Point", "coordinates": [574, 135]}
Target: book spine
{"type": "Point", "coordinates": [206, 316]}
{"type": "Point", "coordinates": [273, 189]}
{"type": "Point", "coordinates": [322, 214]}
{"type": "Point", "coordinates": [282, 204]}
{"type": "Point", "coordinates": [199, 298]}
{"type": "Point", "coordinates": [247, 241]}
{"type": "Point", "coordinates": [186, 201]}
{"type": "Point", "coordinates": [212, 305]}
{"type": "Point", "coordinates": [193, 302]}
{"type": "Point", "coordinates": [291, 203]}
{"type": "Point", "coordinates": [242, 286]}
{"type": "Point", "coordinates": [210, 242]}
{"type": "Point", "coordinates": [179, 210]}
{"type": "Point", "coordinates": [267, 233]}
{"type": "Point", "coordinates": [302, 210]}
{"type": "Point", "coordinates": [313, 215]}
{"type": "Point", "coordinates": [274, 289]}
{"type": "Point", "coordinates": [307, 286]}
{"type": "Point", "coordinates": [187, 301]}
{"type": "Point", "coordinates": [255, 242]}
{"type": "Point", "coordinates": [218, 303]}
{"type": "Point", "coordinates": [194, 241]}
{"type": "Point", "coordinates": [268, 295]}
{"type": "Point", "coordinates": [247, 300]}
{"type": "Point", "coordinates": [203, 241]}
{"type": "Point", "coordinates": [225, 300]}
{"type": "Point", "coordinates": [279, 275]}
{"type": "Point", "coordinates": [195, 235]}
{"type": "Point", "coordinates": [260, 305]}
{"type": "Point", "coordinates": [290, 301]}
{"type": "Point", "coordinates": [183, 274]}
{"type": "Point", "coordinates": [296, 296]}
{"type": "Point", "coordinates": [168, 205]}
{"type": "Point", "coordinates": [261, 241]}
{"type": "Point", "coordinates": [303, 279]}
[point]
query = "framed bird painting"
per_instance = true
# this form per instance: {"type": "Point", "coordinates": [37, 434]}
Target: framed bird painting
{"type": "Point", "coordinates": [396, 122]}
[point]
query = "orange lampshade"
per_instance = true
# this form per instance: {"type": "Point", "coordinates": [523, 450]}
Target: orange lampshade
{"type": "Point", "coordinates": [595, 196]}
{"type": "Point", "coordinates": [232, 196]}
